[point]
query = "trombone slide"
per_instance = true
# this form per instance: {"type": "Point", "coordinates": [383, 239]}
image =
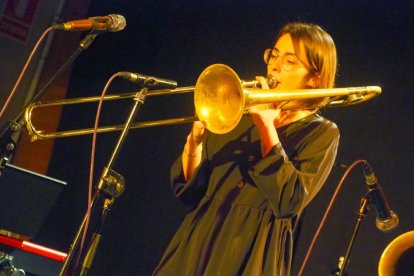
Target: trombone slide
{"type": "Point", "coordinates": [220, 99]}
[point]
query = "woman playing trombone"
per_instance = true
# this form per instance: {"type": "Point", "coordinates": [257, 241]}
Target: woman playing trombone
{"type": "Point", "coordinates": [247, 188]}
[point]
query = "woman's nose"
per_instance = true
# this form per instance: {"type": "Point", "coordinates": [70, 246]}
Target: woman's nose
{"type": "Point", "coordinates": [275, 66]}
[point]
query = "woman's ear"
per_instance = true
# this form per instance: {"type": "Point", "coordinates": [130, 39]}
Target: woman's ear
{"type": "Point", "coordinates": [266, 55]}
{"type": "Point", "coordinates": [315, 81]}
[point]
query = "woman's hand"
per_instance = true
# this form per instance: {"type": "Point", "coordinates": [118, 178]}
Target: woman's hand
{"type": "Point", "coordinates": [198, 132]}
{"type": "Point", "coordinates": [191, 156]}
{"type": "Point", "coordinates": [264, 116]}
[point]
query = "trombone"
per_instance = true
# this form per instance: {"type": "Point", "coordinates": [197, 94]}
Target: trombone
{"type": "Point", "coordinates": [220, 100]}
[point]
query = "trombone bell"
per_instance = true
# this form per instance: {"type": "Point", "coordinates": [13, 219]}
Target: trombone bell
{"type": "Point", "coordinates": [218, 98]}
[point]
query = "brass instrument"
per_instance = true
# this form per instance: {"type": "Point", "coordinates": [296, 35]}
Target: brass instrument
{"type": "Point", "coordinates": [397, 258]}
{"type": "Point", "coordinates": [220, 100]}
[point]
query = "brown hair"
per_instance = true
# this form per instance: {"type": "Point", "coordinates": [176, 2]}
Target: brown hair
{"type": "Point", "coordinates": [319, 48]}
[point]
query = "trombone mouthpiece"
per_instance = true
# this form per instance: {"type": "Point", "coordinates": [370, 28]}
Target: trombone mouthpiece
{"type": "Point", "coordinates": [271, 81]}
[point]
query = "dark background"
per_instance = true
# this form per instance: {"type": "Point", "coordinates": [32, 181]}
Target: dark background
{"type": "Point", "coordinates": [178, 40]}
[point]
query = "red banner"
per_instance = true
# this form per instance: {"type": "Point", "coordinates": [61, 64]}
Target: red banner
{"type": "Point", "coordinates": [17, 18]}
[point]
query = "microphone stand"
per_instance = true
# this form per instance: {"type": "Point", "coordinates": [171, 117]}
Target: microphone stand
{"type": "Point", "coordinates": [363, 210]}
{"type": "Point", "coordinates": [111, 185]}
{"type": "Point", "coordinates": [7, 141]}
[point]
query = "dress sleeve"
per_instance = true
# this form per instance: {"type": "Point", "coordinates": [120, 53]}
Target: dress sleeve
{"type": "Point", "coordinates": [290, 184]}
{"type": "Point", "coordinates": [191, 191]}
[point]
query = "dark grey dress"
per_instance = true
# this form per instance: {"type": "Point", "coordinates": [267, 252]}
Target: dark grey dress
{"type": "Point", "coordinates": [244, 207]}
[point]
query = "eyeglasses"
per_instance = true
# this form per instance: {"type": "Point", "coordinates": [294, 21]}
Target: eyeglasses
{"type": "Point", "coordinates": [288, 61]}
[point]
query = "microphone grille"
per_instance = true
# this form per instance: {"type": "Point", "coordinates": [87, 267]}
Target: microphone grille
{"type": "Point", "coordinates": [388, 224]}
{"type": "Point", "coordinates": [118, 22]}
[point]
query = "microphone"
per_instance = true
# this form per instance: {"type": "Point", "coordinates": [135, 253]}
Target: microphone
{"type": "Point", "coordinates": [149, 81]}
{"type": "Point", "coordinates": [386, 219]}
{"type": "Point", "coordinates": [112, 23]}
